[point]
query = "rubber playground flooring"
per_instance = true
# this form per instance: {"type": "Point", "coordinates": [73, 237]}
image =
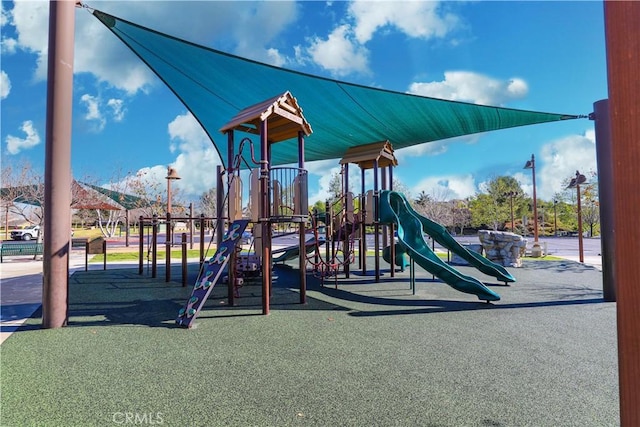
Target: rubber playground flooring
{"type": "Point", "coordinates": [361, 354]}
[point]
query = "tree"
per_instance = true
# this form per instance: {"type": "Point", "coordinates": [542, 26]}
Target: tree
{"type": "Point", "coordinates": [493, 207]}
{"type": "Point", "coordinates": [590, 206]}
{"type": "Point", "coordinates": [435, 206]}
{"type": "Point", "coordinates": [23, 193]}
{"type": "Point", "coordinates": [461, 214]}
{"type": "Point", "coordinates": [208, 203]}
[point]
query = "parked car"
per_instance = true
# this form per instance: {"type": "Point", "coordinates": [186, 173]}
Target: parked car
{"type": "Point", "coordinates": [27, 233]}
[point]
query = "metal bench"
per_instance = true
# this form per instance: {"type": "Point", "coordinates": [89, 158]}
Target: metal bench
{"type": "Point", "coordinates": [17, 249]}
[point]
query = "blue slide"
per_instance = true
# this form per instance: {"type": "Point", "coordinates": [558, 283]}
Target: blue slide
{"type": "Point", "coordinates": [394, 208]}
{"type": "Point", "coordinates": [446, 240]}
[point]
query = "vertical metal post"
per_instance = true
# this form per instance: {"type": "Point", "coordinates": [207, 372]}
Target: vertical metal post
{"type": "Point", "coordinates": [202, 222]}
{"type": "Point", "coordinates": [392, 232]}
{"type": "Point", "coordinates": [622, 34]}
{"type": "Point", "coordinates": [141, 245]}
{"type": "Point", "coordinates": [191, 225]}
{"type": "Point", "coordinates": [265, 220]}
{"type": "Point", "coordinates": [154, 247]}
{"type": "Point", "coordinates": [363, 233]}
{"type": "Point", "coordinates": [580, 242]}
{"type": "Point", "coordinates": [604, 146]}
{"type": "Point", "coordinates": [346, 236]}
{"type": "Point", "coordinates": [126, 228]}
{"type": "Point", "coordinates": [167, 245]}
{"type": "Point", "coordinates": [303, 210]}
{"type": "Point", "coordinates": [184, 260]}
{"type": "Point", "coordinates": [376, 215]}
{"type": "Point", "coordinates": [104, 253]}
{"type": "Point", "coordinates": [57, 180]}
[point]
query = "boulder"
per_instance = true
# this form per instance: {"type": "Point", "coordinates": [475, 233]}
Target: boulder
{"type": "Point", "coordinates": [502, 247]}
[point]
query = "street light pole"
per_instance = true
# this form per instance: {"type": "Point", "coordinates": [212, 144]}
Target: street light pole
{"type": "Point", "coordinates": [575, 183]}
{"type": "Point", "coordinates": [531, 164]}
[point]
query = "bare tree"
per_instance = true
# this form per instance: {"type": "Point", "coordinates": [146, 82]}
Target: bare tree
{"type": "Point", "coordinates": [23, 193]}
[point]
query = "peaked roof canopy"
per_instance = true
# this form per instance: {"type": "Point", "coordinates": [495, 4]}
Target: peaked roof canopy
{"type": "Point", "coordinates": [283, 116]}
{"type": "Point", "coordinates": [365, 155]}
{"type": "Point", "coordinates": [216, 86]}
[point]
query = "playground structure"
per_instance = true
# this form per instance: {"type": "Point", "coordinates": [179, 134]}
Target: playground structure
{"type": "Point", "coordinates": [278, 200]}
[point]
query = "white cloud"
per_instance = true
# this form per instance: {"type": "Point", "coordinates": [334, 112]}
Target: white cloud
{"type": "Point", "coordinates": [5, 85]}
{"type": "Point", "coordinates": [196, 158]}
{"type": "Point", "coordinates": [248, 31]}
{"type": "Point", "coordinates": [472, 87]}
{"type": "Point", "coordinates": [416, 19]}
{"type": "Point", "coordinates": [117, 109]}
{"type": "Point", "coordinates": [15, 144]}
{"type": "Point", "coordinates": [447, 187]}
{"type": "Point", "coordinates": [338, 53]}
{"type": "Point", "coordinates": [93, 113]}
{"type": "Point", "coordinates": [559, 161]}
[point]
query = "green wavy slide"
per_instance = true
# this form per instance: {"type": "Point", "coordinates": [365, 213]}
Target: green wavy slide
{"type": "Point", "coordinates": [446, 240]}
{"type": "Point", "coordinates": [395, 208]}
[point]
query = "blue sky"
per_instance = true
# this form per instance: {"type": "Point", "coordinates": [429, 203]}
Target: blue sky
{"type": "Point", "coordinates": [543, 56]}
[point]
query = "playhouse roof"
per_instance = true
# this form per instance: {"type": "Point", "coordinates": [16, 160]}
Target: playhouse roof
{"type": "Point", "coordinates": [283, 116]}
{"type": "Point", "coordinates": [216, 86]}
{"type": "Point", "coordinates": [365, 155]}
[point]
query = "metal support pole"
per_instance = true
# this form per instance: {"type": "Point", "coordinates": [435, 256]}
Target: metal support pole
{"type": "Point", "coordinates": [345, 236]}
{"type": "Point", "coordinates": [219, 207]}
{"type": "Point", "coordinates": [363, 234]}
{"type": "Point", "coordinates": [57, 179]}
{"type": "Point", "coordinates": [126, 228]}
{"type": "Point", "coordinates": [201, 239]}
{"type": "Point", "coordinates": [154, 247]}
{"type": "Point", "coordinates": [580, 242]}
{"type": "Point", "coordinates": [184, 259]}
{"type": "Point", "coordinates": [303, 211]}
{"type": "Point", "coordinates": [376, 215]}
{"type": "Point", "coordinates": [604, 147]}
{"type": "Point", "coordinates": [104, 253]}
{"type": "Point", "coordinates": [191, 225]}
{"type": "Point", "coordinates": [141, 246]}
{"type": "Point", "coordinates": [265, 218]}
{"type": "Point", "coordinates": [167, 243]}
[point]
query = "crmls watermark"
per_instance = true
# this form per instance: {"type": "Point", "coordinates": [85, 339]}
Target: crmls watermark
{"type": "Point", "coordinates": [138, 418]}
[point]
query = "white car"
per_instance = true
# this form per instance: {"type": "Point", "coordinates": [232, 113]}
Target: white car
{"type": "Point", "coordinates": [27, 233]}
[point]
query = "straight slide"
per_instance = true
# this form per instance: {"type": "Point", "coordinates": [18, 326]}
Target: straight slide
{"type": "Point", "coordinates": [446, 240]}
{"type": "Point", "coordinates": [292, 252]}
{"type": "Point", "coordinates": [395, 208]}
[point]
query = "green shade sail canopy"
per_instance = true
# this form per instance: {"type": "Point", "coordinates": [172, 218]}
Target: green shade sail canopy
{"type": "Point", "coordinates": [215, 86]}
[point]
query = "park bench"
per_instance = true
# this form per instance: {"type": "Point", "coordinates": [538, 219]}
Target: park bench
{"type": "Point", "coordinates": [17, 249]}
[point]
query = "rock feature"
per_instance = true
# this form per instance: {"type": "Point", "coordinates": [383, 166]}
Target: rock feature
{"type": "Point", "coordinates": [503, 247]}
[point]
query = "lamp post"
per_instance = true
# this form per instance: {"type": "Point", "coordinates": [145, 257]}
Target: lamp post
{"type": "Point", "coordinates": [555, 218]}
{"type": "Point", "coordinates": [171, 175]}
{"type": "Point", "coordinates": [575, 183]}
{"type": "Point", "coordinates": [511, 195]}
{"type": "Point", "coordinates": [531, 164]}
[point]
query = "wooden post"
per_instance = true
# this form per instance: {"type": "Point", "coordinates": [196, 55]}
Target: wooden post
{"type": "Point", "coordinates": [622, 34]}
